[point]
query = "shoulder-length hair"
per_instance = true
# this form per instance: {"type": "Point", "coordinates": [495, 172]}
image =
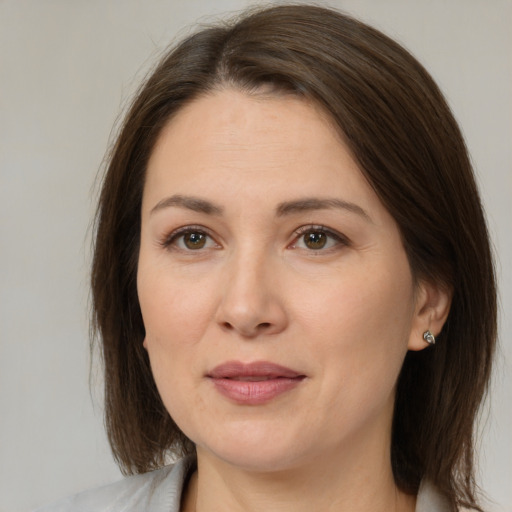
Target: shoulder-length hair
{"type": "Point", "coordinates": [399, 128]}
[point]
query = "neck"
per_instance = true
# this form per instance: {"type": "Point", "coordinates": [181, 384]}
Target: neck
{"type": "Point", "coordinates": [359, 481]}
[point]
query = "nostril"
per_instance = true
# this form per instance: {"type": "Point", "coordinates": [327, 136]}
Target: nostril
{"type": "Point", "coordinates": [263, 326]}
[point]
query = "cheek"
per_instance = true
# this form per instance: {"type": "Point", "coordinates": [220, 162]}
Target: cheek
{"type": "Point", "coordinates": [175, 310]}
{"type": "Point", "coordinates": [364, 321]}
{"type": "Point", "coordinates": [364, 303]}
{"type": "Point", "coordinates": [175, 319]}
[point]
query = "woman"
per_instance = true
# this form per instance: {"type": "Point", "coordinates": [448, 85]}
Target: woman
{"type": "Point", "coordinates": [292, 281]}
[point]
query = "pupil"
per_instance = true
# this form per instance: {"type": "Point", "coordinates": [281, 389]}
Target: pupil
{"type": "Point", "coordinates": [195, 240]}
{"type": "Point", "coordinates": [315, 240]}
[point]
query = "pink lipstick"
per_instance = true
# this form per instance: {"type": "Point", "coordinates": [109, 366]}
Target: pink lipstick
{"type": "Point", "coordinates": [253, 383]}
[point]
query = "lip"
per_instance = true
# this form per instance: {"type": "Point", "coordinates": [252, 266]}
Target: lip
{"type": "Point", "coordinates": [253, 383]}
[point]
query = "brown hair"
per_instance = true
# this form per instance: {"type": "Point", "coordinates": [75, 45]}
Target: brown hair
{"type": "Point", "coordinates": [408, 145]}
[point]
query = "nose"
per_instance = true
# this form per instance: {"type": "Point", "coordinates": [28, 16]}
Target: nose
{"type": "Point", "coordinates": [251, 302]}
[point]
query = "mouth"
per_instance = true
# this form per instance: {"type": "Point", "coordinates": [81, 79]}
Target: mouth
{"type": "Point", "coordinates": [253, 383]}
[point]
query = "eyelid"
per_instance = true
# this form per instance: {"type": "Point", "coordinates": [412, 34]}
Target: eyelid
{"type": "Point", "coordinates": [341, 239]}
{"type": "Point", "coordinates": [168, 240]}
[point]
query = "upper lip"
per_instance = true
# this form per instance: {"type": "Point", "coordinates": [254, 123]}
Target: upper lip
{"type": "Point", "coordinates": [261, 369]}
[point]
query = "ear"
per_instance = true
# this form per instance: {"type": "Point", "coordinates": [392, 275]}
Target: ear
{"type": "Point", "coordinates": [433, 303]}
{"type": "Point", "coordinates": [145, 343]}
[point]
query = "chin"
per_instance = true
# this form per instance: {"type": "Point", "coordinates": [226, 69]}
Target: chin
{"type": "Point", "coordinates": [256, 450]}
{"type": "Point", "coordinates": [257, 460]}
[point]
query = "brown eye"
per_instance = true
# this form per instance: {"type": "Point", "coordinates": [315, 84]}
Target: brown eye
{"type": "Point", "coordinates": [189, 239]}
{"type": "Point", "coordinates": [194, 240]}
{"type": "Point", "coordinates": [315, 240]}
{"type": "Point", "coordinates": [319, 238]}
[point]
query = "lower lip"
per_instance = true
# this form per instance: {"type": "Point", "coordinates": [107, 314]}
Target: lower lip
{"type": "Point", "coordinates": [255, 392]}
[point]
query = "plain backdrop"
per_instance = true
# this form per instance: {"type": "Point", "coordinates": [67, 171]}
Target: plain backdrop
{"type": "Point", "coordinates": [67, 69]}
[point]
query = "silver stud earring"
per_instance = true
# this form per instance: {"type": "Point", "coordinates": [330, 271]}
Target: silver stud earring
{"type": "Point", "coordinates": [429, 337]}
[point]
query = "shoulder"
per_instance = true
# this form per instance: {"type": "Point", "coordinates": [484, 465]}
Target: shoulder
{"type": "Point", "coordinates": [156, 491]}
{"type": "Point", "coordinates": [430, 500]}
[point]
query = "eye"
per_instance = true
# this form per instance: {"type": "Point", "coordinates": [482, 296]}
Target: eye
{"type": "Point", "coordinates": [316, 238]}
{"type": "Point", "coordinates": [194, 240]}
{"type": "Point", "coordinates": [189, 239]}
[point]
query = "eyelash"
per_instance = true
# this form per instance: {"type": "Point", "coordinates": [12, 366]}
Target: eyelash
{"type": "Point", "coordinates": [304, 230]}
{"type": "Point", "coordinates": [169, 241]}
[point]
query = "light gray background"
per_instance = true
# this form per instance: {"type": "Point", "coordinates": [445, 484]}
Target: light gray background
{"type": "Point", "coordinates": [66, 69]}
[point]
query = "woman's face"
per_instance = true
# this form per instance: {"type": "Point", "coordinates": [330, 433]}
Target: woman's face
{"type": "Point", "coordinates": [276, 294]}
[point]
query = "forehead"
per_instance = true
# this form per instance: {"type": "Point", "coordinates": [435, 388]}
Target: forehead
{"type": "Point", "coordinates": [261, 142]}
{"type": "Point", "coordinates": [233, 117]}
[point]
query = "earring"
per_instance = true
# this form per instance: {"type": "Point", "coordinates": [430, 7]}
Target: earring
{"type": "Point", "coordinates": [429, 337]}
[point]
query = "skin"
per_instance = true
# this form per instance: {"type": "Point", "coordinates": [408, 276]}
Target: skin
{"type": "Point", "coordinates": [245, 284]}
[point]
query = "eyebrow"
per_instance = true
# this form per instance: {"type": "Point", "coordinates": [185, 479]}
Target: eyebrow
{"type": "Point", "coordinates": [314, 203]}
{"type": "Point", "coordinates": [191, 203]}
{"type": "Point", "coordinates": [287, 208]}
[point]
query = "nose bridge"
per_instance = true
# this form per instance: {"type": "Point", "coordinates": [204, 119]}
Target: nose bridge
{"type": "Point", "coordinates": [250, 302]}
